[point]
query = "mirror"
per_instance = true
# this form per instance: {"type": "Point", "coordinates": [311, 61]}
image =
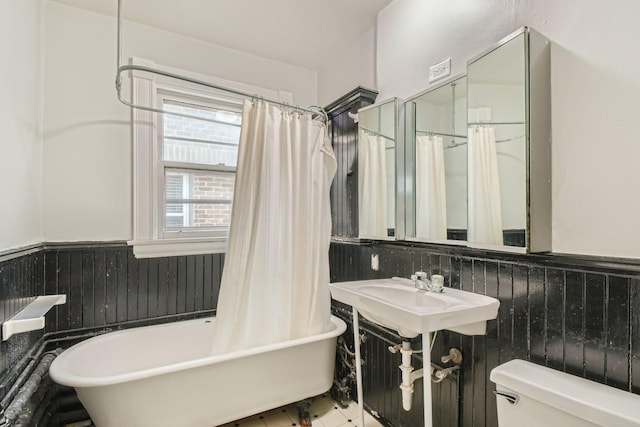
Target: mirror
{"type": "Point", "coordinates": [436, 164]}
{"type": "Point", "coordinates": [509, 145]}
{"type": "Point", "coordinates": [377, 147]}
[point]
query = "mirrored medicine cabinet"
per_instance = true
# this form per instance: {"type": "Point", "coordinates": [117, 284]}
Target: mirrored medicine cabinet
{"type": "Point", "coordinates": [509, 145]}
{"type": "Point", "coordinates": [467, 162]}
{"type": "Point", "coordinates": [436, 164]}
{"type": "Point", "coordinates": [379, 166]}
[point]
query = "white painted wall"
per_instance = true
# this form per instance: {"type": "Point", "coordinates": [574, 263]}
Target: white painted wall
{"type": "Point", "coordinates": [343, 73]}
{"type": "Point", "coordinates": [595, 88]}
{"type": "Point", "coordinates": [87, 135]}
{"type": "Point", "coordinates": [20, 123]}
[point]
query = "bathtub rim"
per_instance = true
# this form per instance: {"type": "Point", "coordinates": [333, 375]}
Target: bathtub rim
{"type": "Point", "coordinates": [61, 375]}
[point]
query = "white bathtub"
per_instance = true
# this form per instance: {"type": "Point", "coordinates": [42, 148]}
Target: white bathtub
{"type": "Point", "coordinates": [164, 376]}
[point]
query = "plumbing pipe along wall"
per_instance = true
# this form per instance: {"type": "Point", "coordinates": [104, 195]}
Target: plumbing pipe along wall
{"type": "Point", "coordinates": [15, 409]}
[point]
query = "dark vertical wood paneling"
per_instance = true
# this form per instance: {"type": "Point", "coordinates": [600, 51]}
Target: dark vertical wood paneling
{"type": "Point", "coordinates": [122, 273]}
{"type": "Point", "coordinates": [583, 322]}
{"type": "Point", "coordinates": [75, 292]}
{"type": "Point", "coordinates": [51, 288]}
{"type": "Point", "coordinates": [154, 285]}
{"type": "Point", "coordinates": [111, 279]}
{"type": "Point", "coordinates": [100, 287]}
{"type": "Point", "coordinates": [520, 332]}
{"type": "Point", "coordinates": [108, 285]}
{"type": "Point", "coordinates": [635, 334]}
{"type": "Point", "coordinates": [181, 285]}
{"type": "Point", "coordinates": [143, 287]}
{"type": "Point", "coordinates": [172, 285]}
{"type": "Point", "coordinates": [217, 277]}
{"type": "Point", "coordinates": [455, 280]}
{"type": "Point", "coordinates": [537, 313]}
{"type": "Point", "coordinates": [574, 323]}
{"type": "Point", "coordinates": [555, 289]}
{"type": "Point", "coordinates": [162, 293]}
{"type": "Point", "coordinates": [88, 286]}
{"type": "Point", "coordinates": [134, 294]}
{"type": "Point", "coordinates": [479, 354]}
{"type": "Point", "coordinates": [468, 367]}
{"type": "Point", "coordinates": [209, 275]}
{"type": "Point", "coordinates": [21, 280]}
{"type": "Point", "coordinates": [563, 309]}
{"type": "Point", "coordinates": [595, 330]}
{"type": "Point", "coordinates": [190, 285]}
{"type": "Point", "coordinates": [505, 315]}
{"type": "Point", "coordinates": [364, 270]}
{"type": "Point", "coordinates": [344, 139]}
{"type": "Point", "coordinates": [498, 330]}
{"type": "Point", "coordinates": [617, 373]}
{"type": "Point", "coordinates": [404, 266]}
{"type": "Point", "coordinates": [434, 264]}
{"type": "Point", "coordinates": [63, 274]}
{"type": "Point", "coordinates": [425, 261]}
{"type": "Point", "coordinates": [198, 272]}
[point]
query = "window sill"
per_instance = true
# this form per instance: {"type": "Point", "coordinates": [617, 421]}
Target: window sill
{"type": "Point", "coordinates": [176, 247]}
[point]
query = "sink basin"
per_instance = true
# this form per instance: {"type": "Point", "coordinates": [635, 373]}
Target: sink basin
{"type": "Point", "coordinates": [394, 303]}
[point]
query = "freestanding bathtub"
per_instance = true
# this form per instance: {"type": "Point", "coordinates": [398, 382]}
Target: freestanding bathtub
{"type": "Point", "coordinates": [165, 376]}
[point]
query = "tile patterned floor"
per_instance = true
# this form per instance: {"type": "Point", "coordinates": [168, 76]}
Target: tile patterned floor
{"type": "Point", "coordinates": [324, 413]}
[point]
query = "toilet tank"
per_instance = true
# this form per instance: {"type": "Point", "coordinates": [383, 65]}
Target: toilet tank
{"type": "Point", "coordinates": [546, 397]}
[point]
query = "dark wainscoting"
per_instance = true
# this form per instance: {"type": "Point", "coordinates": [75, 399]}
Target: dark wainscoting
{"type": "Point", "coordinates": [21, 280]}
{"type": "Point", "coordinates": [575, 314]}
{"type": "Point", "coordinates": [107, 288]}
{"type": "Point", "coordinates": [343, 131]}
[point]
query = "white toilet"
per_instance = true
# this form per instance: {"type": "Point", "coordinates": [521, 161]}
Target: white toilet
{"type": "Point", "coordinates": [531, 395]}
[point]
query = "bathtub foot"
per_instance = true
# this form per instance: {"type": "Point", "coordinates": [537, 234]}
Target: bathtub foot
{"type": "Point", "coordinates": [304, 417]}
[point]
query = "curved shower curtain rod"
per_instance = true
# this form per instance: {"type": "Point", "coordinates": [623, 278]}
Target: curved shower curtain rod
{"type": "Point", "coordinates": [313, 109]}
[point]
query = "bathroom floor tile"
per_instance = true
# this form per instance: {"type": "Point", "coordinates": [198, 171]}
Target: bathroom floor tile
{"type": "Point", "coordinates": [324, 413]}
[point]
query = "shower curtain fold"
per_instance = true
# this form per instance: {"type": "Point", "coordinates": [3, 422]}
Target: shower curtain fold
{"type": "Point", "coordinates": [275, 279]}
{"type": "Point", "coordinates": [485, 215]}
{"type": "Point", "coordinates": [372, 186]}
{"type": "Point", "coordinates": [431, 196]}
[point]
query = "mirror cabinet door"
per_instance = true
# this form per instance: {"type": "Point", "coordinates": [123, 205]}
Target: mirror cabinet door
{"type": "Point", "coordinates": [509, 187]}
{"type": "Point", "coordinates": [377, 147]}
{"type": "Point", "coordinates": [497, 146]}
{"type": "Point", "coordinates": [436, 164]}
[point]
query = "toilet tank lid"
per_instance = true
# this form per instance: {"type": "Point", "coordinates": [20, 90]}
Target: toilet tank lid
{"type": "Point", "coordinates": [595, 402]}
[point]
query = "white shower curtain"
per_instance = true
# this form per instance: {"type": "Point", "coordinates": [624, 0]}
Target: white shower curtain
{"type": "Point", "coordinates": [485, 217]}
{"type": "Point", "coordinates": [276, 273]}
{"type": "Point", "coordinates": [372, 186]}
{"type": "Point", "coordinates": [431, 195]}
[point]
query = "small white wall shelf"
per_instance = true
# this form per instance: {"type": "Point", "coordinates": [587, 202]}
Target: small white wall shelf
{"type": "Point", "coordinates": [31, 317]}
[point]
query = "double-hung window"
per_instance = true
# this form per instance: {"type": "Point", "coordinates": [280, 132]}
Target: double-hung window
{"type": "Point", "coordinates": [184, 168]}
{"type": "Point", "coordinates": [198, 164]}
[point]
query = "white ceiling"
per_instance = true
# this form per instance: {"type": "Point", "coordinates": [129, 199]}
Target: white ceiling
{"type": "Point", "coordinates": [299, 32]}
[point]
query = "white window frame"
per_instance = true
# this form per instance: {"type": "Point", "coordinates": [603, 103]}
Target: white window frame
{"type": "Point", "coordinates": [149, 238]}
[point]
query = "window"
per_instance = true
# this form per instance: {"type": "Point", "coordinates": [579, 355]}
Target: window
{"type": "Point", "coordinates": [184, 168]}
{"type": "Point", "coordinates": [198, 162]}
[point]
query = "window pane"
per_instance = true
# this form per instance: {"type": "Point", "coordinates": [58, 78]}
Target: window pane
{"type": "Point", "coordinates": [202, 200]}
{"type": "Point", "coordinates": [209, 215]}
{"type": "Point", "coordinates": [197, 141]}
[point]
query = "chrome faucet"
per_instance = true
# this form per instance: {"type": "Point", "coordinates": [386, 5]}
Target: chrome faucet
{"type": "Point", "coordinates": [420, 281]}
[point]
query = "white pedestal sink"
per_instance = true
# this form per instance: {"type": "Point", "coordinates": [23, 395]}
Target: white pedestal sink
{"type": "Point", "coordinates": [396, 304]}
